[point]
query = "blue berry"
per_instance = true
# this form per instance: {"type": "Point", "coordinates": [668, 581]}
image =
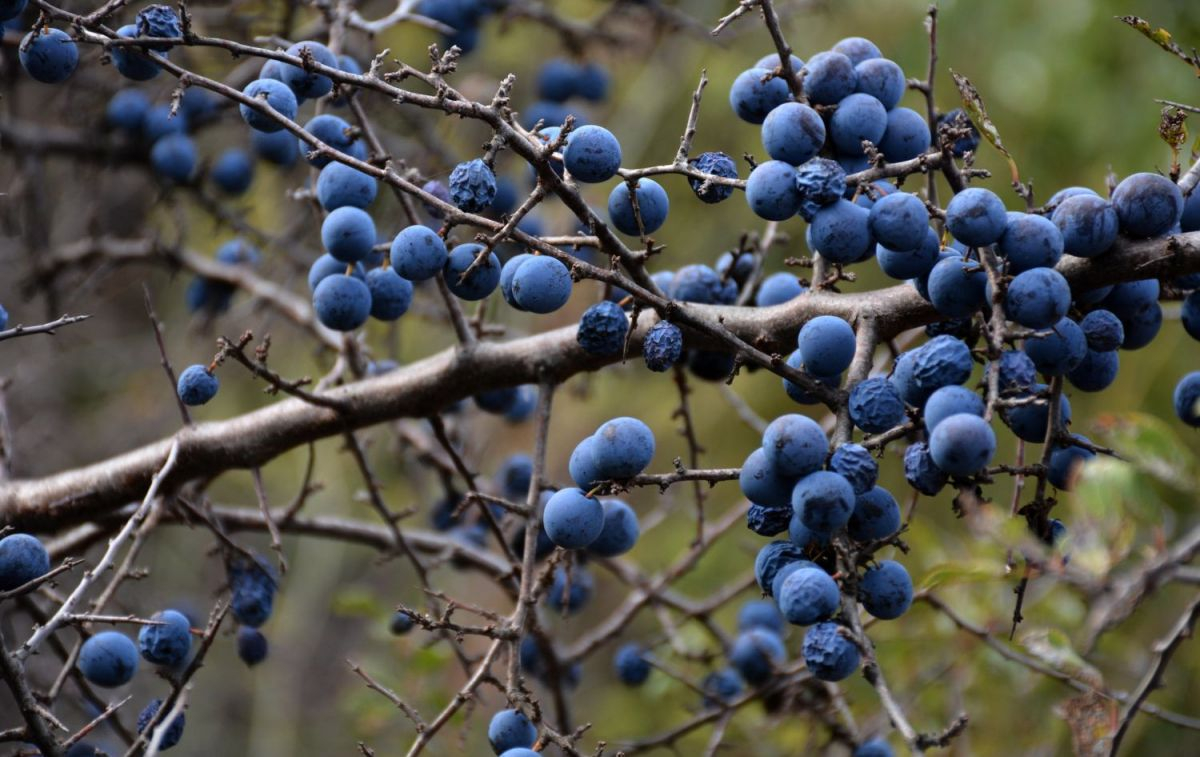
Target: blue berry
{"type": "Point", "coordinates": [173, 732]}
{"type": "Point", "coordinates": [591, 82]}
{"type": "Point", "coordinates": [968, 142]}
{"type": "Point", "coordinates": [824, 501]}
{"type": "Point", "coordinates": [159, 21]}
{"type": "Point", "coordinates": [762, 484]}
{"type": "Point", "coordinates": [174, 158]}
{"type": "Point", "coordinates": [10, 9]}
{"type": "Point", "coordinates": [976, 217]}
{"type": "Point", "coordinates": [253, 595]}
{"type": "Point", "coordinates": [48, 55]}
{"type": "Point", "coordinates": [760, 613]}
{"type": "Point", "coordinates": [921, 472]}
{"type": "Point", "coordinates": [771, 191]}
{"type": "Point", "coordinates": [886, 590]}
{"type": "Point", "coordinates": [341, 302]}
{"type": "Point", "coordinates": [1030, 241]}
{"type": "Point", "coordinates": [108, 659]}
{"type": "Point", "coordinates": [827, 345]}
{"type": "Point", "coordinates": [1065, 463]}
{"type": "Point", "coordinates": [515, 476]}
{"type": "Point", "coordinates": [233, 171]}
{"type": "Point", "coordinates": [126, 109]}
{"type": "Point", "coordinates": [951, 400]}
{"type": "Point", "coordinates": [876, 515]}
{"type": "Point", "coordinates": [348, 234]}
{"type": "Point", "coordinates": [570, 592]}
{"type": "Point", "coordinates": [796, 391]}
{"type": "Point", "coordinates": [662, 346]}
{"type": "Point", "coordinates": [829, 655]}
{"type": "Point", "coordinates": [700, 284]}
{"type": "Point", "coordinates": [793, 133]}
{"type": "Point", "coordinates": [1017, 372]}
{"type": "Point", "coordinates": [858, 117]}
{"type": "Point", "coordinates": [592, 154]}
{"type": "Point", "coordinates": [807, 595]}
{"type": "Point", "coordinates": [777, 289]}
{"type": "Point", "coordinates": [418, 253]}
{"type": "Point", "coordinates": [771, 559]}
{"type": "Point", "coordinates": [717, 164]}
{"type": "Point", "coordinates": [1029, 421]}
{"type": "Point", "coordinates": [841, 232]}
{"type": "Point", "coordinates": [1187, 399]}
{"type": "Point", "coordinates": [622, 448]}
{"type": "Point", "coordinates": [339, 185]}
{"type": "Point", "coordinates": [541, 284]}
{"type": "Point", "coordinates": [771, 61]}
{"type": "Point", "coordinates": [497, 401]}
{"type": "Point", "coordinates": [197, 385]}
{"type": "Point", "coordinates": [1147, 205]}
{"type": "Point", "coordinates": [721, 685]}
{"type": "Point", "coordinates": [962, 444]}
{"type": "Point", "coordinates": [302, 82]}
{"type": "Point", "coordinates": [472, 186]}
{"type": "Point", "coordinates": [756, 654]}
{"type": "Point", "coordinates": [958, 287]}
{"type": "Point", "coordinates": [620, 532]}
{"type": "Point", "coordinates": [909, 264]}
{"type": "Point", "coordinates": [875, 747]}
{"type": "Point", "coordinates": [157, 122]}
{"type": "Point", "coordinates": [22, 559]}
{"type": "Point", "coordinates": [768, 521]}
{"type": "Point", "coordinates": [582, 465]}
{"type": "Point", "coordinates": [602, 329]}
{"type": "Point", "coordinates": [819, 183]}
{"type": "Point", "coordinates": [1060, 350]}
{"type": "Point", "coordinates": [481, 282]}
{"type": "Point", "coordinates": [1104, 331]}
{"type": "Point", "coordinates": [326, 266]}
{"type": "Point", "coordinates": [1135, 303]}
{"type": "Point", "coordinates": [631, 664]}
{"type": "Point", "coordinates": [855, 463]}
{"type": "Point", "coordinates": [882, 79]}
{"type": "Point", "coordinates": [278, 96]}
{"type": "Point", "coordinates": [277, 147]}
{"type": "Point", "coordinates": [168, 644]}
{"type": "Point", "coordinates": [875, 405]}
{"type": "Point", "coordinates": [653, 205]}
{"type": "Point", "coordinates": [899, 221]}
{"type": "Point", "coordinates": [1189, 315]}
{"type": "Point", "coordinates": [572, 519]}
{"type": "Point", "coordinates": [907, 135]}
{"type": "Point", "coordinates": [1096, 372]}
{"type": "Point", "coordinates": [133, 62]}
{"type": "Point", "coordinates": [857, 49]}
{"type": "Point", "coordinates": [755, 93]}
{"type": "Point", "coordinates": [1088, 224]}
{"type": "Point", "coordinates": [251, 646]}
{"type": "Point", "coordinates": [336, 133]}
{"type": "Point", "coordinates": [1037, 298]}
{"type": "Point", "coordinates": [795, 445]}
{"type": "Point", "coordinates": [828, 77]}
{"type": "Point", "coordinates": [391, 295]}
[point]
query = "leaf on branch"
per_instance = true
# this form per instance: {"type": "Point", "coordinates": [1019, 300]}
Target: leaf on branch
{"type": "Point", "coordinates": [1052, 647]}
{"type": "Point", "coordinates": [1152, 446]}
{"type": "Point", "coordinates": [973, 104]}
{"type": "Point", "coordinates": [1162, 38]}
{"type": "Point", "coordinates": [1090, 717]}
{"type": "Point", "coordinates": [1172, 127]}
{"type": "Point", "coordinates": [950, 573]}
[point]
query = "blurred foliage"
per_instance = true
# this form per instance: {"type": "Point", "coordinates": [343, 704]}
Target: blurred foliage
{"type": "Point", "coordinates": [1070, 90]}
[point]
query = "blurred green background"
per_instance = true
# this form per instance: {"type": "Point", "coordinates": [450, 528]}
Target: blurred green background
{"type": "Point", "coordinates": [1071, 91]}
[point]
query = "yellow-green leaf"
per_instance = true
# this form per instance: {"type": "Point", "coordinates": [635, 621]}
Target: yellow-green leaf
{"type": "Point", "coordinates": [973, 104]}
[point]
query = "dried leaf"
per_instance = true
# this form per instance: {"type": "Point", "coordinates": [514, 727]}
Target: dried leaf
{"type": "Point", "coordinates": [1162, 38]}
{"type": "Point", "coordinates": [1091, 718]}
{"type": "Point", "coordinates": [973, 104]}
{"type": "Point", "coordinates": [1172, 128]}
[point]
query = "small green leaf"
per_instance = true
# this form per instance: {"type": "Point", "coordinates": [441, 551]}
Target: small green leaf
{"type": "Point", "coordinates": [357, 603]}
{"type": "Point", "coordinates": [1153, 447]}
